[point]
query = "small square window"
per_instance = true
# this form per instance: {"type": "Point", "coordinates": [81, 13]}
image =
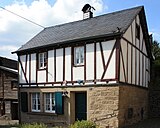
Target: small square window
{"type": "Point", "coordinates": [42, 60]}
{"type": "Point", "coordinates": [14, 84]}
{"type": "Point", "coordinates": [79, 55]}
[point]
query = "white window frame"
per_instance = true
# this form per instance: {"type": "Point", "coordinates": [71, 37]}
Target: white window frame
{"type": "Point", "coordinates": [79, 55]}
{"type": "Point", "coordinates": [51, 102]}
{"type": "Point", "coordinates": [42, 60]}
{"type": "Point", "coordinates": [35, 100]}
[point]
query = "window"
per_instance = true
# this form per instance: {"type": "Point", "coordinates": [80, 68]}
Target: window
{"type": "Point", "coordinates": [79, 55]}
{"type": "Point", "coordinates": [137, 31]}
{"type": "Point", "coordinates": [14, 84]}
{"type": "Point", "coordinates": [35, 102]}
{"type": "Point", "coordinates": [130, 113]}
{"type": "Point", "coordinates": [49, 102]}
{"type": "Point", "coordinates": [42, 60]}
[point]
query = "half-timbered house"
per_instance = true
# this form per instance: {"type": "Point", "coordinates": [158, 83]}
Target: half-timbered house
{"type": "Point", "coordinates": [94, 69]}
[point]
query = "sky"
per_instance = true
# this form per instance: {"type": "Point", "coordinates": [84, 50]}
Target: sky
{"type": "Point", "coordinates": [15, 31]}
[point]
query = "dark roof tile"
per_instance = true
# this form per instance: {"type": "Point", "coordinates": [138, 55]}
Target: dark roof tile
{"type": "Point", "coordinates": [98, 26]}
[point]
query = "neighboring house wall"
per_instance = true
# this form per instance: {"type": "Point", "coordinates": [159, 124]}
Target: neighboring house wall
{"type": "Point", "coordinates": [8, 89]}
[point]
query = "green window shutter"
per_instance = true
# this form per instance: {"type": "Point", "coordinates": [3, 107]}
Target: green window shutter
{"type": "Point", "coordinates": [59, 103]}
{"type": "Point", "coordinates": [24, 102]}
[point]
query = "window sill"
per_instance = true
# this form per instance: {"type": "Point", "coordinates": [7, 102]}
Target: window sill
{"type": "Point", "coordinates": [79, 65]}
{"type": "Point", "coordinates": [41, 69]}
{"type": "Point", "coordinates": [14, 89]}
{"type": "Point", "coordinates": [42, 113]}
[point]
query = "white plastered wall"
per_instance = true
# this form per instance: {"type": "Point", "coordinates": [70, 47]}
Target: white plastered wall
{"type": "Point", "coordinates": [33, 68]}
{"type": "Point", "coordinates": [140, 70]}
{"type": "Point", "coordinates": [51, 66]}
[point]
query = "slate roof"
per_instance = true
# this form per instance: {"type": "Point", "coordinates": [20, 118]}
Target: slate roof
{"type": "Point", "coordinates": [100, 26]}
{"type": "Point", "coordinates": [8, 63]}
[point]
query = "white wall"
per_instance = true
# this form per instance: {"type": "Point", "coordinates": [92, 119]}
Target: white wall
{"type": "Point", "coordinates": [42, 76]}
{"type": "Point", "coordinates": [107, 48]}
{"type": "Point", "coordinates": [137, 61]}
{"type": "Point", "coordinates": [68, 63]}
{"type": "Point", "coordinates": [59, 64]}
{"type": "Point", "coordinates": [33, 68]}
{"type": "Point", "coordinates": [90, 62]}
{"type": "Point", "coordinates": [22, 77]}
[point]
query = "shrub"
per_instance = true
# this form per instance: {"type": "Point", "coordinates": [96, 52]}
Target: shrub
{"type": "Point", "coordinates": [83, 124]}
{"type": "Point", "coordinates": [34, 125]}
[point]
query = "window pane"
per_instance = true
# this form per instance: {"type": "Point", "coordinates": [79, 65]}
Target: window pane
{"type": "Point", "coordinates": [45, 59]}
{"type": "Point", "coordinates": [53, 102]}
{"type": "Point", "coordinates": [49, 102]}
{"type": "Point", "coordinates": [35, 101]}
{"type": "Point", "coordinates": [34, 96]}
{"type": "Point", "coordinates": [42, 60]}
{"type": "Point", "coordinates": [79, 55]}
{"type": "Point", "coordinates": [82, 54]}
{"type": "Point", "coordinates": [34, 104]}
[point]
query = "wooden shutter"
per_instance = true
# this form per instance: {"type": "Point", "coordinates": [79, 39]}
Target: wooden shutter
{"type": "Point", "coordinates": [24, 102]}
{"type": "Point", "coordinates": [59, 103]}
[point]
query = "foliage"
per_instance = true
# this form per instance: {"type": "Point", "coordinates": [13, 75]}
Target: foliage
{"type": "Point", "coordinates": [156, 49]}
{"type": "Point", "coordinates": [34, 125]}
{"type": "Point", "coordinates": [83, 124]}
{"type": "Point", "coordinates": [156, 54]}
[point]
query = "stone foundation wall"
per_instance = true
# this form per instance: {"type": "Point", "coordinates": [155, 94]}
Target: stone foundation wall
{"type": "Point", "coordinates": [103, 106]}
{"type": "Point", "coordinates": [49, 119]}
{"type": "Point", "coordinates": [133, 104]}
{"type": "Point", "coordinates": [107, 106]}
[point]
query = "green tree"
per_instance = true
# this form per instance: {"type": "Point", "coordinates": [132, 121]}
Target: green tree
{"type": "Point", "coordinates": [156, 49]}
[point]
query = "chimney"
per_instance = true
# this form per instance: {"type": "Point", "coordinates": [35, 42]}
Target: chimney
{"type": "Point", "coordinates": [87, 11]}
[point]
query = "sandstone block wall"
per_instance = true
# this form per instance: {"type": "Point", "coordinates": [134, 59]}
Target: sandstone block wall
{"type": "Point", "coordinates": [103, 106]}
{"type": "Point", "coordinates": [133, 105]}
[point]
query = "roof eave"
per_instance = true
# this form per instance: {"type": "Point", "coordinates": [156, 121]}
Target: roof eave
{"type": "Point", "coordinates": [111, 35]}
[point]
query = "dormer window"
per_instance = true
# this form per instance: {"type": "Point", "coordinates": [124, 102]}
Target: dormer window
{"type": "Point", "coordinates": [79, 55]}
{"type": "Point", "coordinates": [42, 60]}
